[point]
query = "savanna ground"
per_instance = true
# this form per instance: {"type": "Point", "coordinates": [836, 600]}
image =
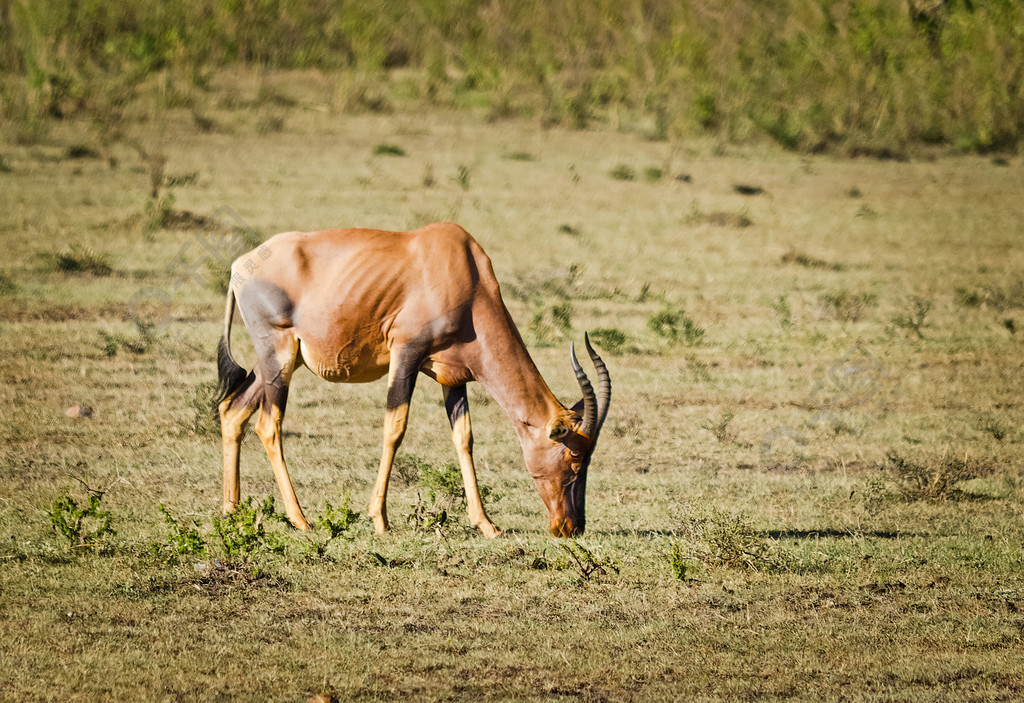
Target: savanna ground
{"type": "Point", "coordinates": [809, 485]}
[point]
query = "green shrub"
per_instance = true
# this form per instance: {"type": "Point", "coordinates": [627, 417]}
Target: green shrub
{"type": "Point", "coordinates": [913, 320]}
{"type": "Point", "coordinates": [182, 539]}
{"type": "Point", "coordinates": [78, 259]}
{"type": "Point", "coordinates": [443, 481]}
{"type": "Point", "coordinates": [845, 305]}
{"type": "Point", "coordinates": [941, 73]}
{"type": "Point", "coordinates": [797, 257]}
{"type": "Point", "coordinates": [676, 326]}
{"type": "Point", "coordinates": [934, 478]}
{"type": "Point", "coordinates": [717, 539]}
{"type": "Point", "coordinates": [243, 533]}
{"type": "Point", "coordinates": [84, 526]}
{"type": "Point", "coordinates": [388, 150]}
{"type": "Point", "coordinates": [335, 523]}
{"type": "Point", "coordinates": [139, 343]}
{"type": "Point", "coordinates": [585, 562]}
{"type": "Point", "coordinates": [622, 172]}
{"type": "Point", "coordinates": [609, 339]}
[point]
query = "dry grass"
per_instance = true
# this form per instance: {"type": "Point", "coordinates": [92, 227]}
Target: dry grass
{"type": "Point", "coordinates": [813, 571]}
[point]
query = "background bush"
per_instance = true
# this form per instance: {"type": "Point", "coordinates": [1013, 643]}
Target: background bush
{"type": "Point", "coordinates": [866, 76]}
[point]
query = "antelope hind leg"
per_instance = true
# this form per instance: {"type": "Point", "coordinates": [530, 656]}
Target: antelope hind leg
{"type": "Point", "coordinates": [235, 412]}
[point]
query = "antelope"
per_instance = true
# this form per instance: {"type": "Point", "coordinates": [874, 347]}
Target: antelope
{"type": "Point", "coordinates": [354, 304]}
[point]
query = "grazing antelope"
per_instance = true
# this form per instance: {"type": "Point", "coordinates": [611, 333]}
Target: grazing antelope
{"type": "Point", "coordinates": [354, 304]}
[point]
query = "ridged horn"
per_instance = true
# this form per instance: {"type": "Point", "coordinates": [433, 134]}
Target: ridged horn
{"type": "Point", "coordinates": [590, 411]}
{"type": "Point", "coordinates": [604, 384]}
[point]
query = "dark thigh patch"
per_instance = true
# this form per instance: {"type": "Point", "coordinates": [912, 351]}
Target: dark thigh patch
{"type": "Point", "coordinates": [456, 404]}
{"type": "Point", "coordinates": [266, 309]}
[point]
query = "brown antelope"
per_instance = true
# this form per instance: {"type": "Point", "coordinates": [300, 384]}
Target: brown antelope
{"type": "Point", "coordinates": [354, 304]}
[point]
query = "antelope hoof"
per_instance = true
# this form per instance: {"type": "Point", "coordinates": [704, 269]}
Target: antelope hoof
{"type": "Point", "coordinates": [489, 529]}
{"type": "Point", "coordinates": [299, 524]}
{"type": "Point", "coordinates": [228, 508]}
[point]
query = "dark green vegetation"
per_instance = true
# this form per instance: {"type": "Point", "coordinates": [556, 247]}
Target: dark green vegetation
{"type": "Point", "coordinates": [810, 484]}
{"type": "Point", "coordinates": [877, 77]}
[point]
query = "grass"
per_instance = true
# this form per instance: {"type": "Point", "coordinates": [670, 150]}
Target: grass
{"type": "Point", "coordinates": [878, 563]}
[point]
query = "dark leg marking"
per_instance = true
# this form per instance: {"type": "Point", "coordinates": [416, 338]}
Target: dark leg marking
{"type": "Point", "coordinates": [456, 404]}
{"type": "Point", "coordinates": [410, 359]}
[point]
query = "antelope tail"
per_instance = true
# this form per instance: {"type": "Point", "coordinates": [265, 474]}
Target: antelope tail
{"type": "Point", "coordinates": [230, 376]}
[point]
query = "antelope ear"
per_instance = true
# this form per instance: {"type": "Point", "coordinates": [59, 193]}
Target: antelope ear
{"type": "Point", "coordinates": [558, 429]}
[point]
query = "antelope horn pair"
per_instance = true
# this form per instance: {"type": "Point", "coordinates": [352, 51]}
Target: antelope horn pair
{"type": "Point", "coordinates": [595, 405]}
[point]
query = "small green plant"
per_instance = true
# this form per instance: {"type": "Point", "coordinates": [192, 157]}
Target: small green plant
{"type": "Point", "coordinates": [568, 229]}
{"type": "Point", "coordinates": [720, 539]}
{"type": "Point", "coordinates": [182, 179]}
{"type": "Point", "coordinates": [622, 172]}
{"type": "Point", "coordinates": [969, 297]}
{"type": "Point", "coordinates": [519, 156]}
{"type": "Point", "coordinates": [561, 315]}
{"type": "Point", "coordinates": [914, 319]}
{"type": "Point", "coordinates": [585, 562]}
{"type": "Point", "coordinates": [78, 259]}
{"type": "Point", "coordinates": [429, 515]}
{"type": "Point", "coordinates": [609, 339]}
{"type": "Point", "coordinates": [806, 260]}
{"type": "Point", "coordinates": [937, 478]}
{"type": "Point", "coordinates": [335, 523]}
{"type": "Point", "coordinates": [7, 286]}
{"type": "Point", "coordinates": [676, 326]}
{"type": "Point", "coordinates": [84, 526]}
{"type": "Point", "coordinates": [139, 343]}
{"type": "Point", "coordinates": [462, 177]}
{"type": "Point", "coordinates": [783, 312]}
{"type": "Point", "coordinates": [270, 120]}
{"type": "Point", "coordinates": [992, 295]}
{"type": "Point", "coordinates": [993, 426]}
{"type": "Point", "coordinates": [653, 174]}
{"type": "Point", "coordinates": [846, 306]}
{"type": "Point", "coordinates": [744, 189]}
{"type": "Point", "coordinates": [549, 324]}
{"type": "Point", "coordinates": [183, 539]}
{"type": "Point", "coordinates": [698, 368]}
{"type": "Point", "coordinates": [388, 150]}
{"type": "Point", "coordinates": [158, 212]}
{"type": "Point", "coordinates": [443, 481]}
{"type": "Point", "coordinates": [243, 533]}
{"type": "Point", "coordinates": [736, 220]}
{"type": "Point", "coordinates": [681, 563]}
{"type": "Point", "coordinates": [720, 427]}
{"type": "Point", "coordinates": [204, 123]}
{"type": "Point", "coordinates": [81, 151]}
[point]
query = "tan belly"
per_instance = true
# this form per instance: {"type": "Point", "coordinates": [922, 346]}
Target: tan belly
{"type": "Point", "coordinates": [351, 363]}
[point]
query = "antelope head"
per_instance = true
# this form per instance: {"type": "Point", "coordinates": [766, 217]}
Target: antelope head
{"type": "Point", "coordinates": [559, 464]}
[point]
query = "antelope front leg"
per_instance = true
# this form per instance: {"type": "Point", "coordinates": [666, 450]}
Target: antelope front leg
{"type": "Point", "coordinates": [457, 406]}
{"type": "Point", "coordinates": [401, 382]}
